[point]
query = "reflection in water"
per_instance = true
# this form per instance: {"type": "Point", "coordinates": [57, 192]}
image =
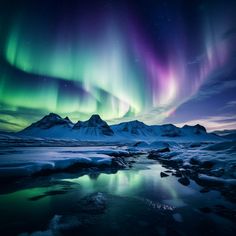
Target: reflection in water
{"type": "Point", "coordinates": [138, 196]}
{"type": "Point", "coordinates": [131, 183]}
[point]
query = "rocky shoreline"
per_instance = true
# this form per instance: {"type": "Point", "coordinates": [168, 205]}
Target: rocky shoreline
{"type": "Point", "coordinates": [202, 172]}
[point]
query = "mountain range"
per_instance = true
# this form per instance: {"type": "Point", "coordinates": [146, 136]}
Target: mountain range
{"type": "Point", "coordinates": [96, 129]}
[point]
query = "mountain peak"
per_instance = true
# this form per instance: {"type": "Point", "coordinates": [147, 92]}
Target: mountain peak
{"type": "Point", "coordinates": [197, 129]}
{"type": "Point", "coordinates": [95, 118]}
{"type": "Point", "coordinates": [51, 114]}
{"type": "Point", "coordinates": [68, 119]}
{"type": "Point", "coordinates": [94, 124]}
{"type": "Point", "coordinates": [50, 121]}
{"type": "Point", "coordinates": [170, 130]}
{"type": "Point", "coordinates": [50, 118]}
{"type": "Point", "coordinates": [134, 123]}
{"type": "Point", "coordinates": [134, 127]}
{"type": "Point", "coordinates": [137, 122]}
{"type": "Point", "coordinates": [93, 121]}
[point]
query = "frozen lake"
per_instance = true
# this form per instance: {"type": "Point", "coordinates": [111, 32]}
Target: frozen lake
{"type": "Point", "coordinates": [137, 200]}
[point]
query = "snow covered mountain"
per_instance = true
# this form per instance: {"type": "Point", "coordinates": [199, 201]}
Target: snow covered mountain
{"type": "Point", "coordinates": [133, 128]}
{"type": "Point", "coordinates": [51, 125]}
{"type": "Point", "coordinates": [96, 129]}
{"type": "Point", "coordinates": [167, 130]}
{"type": "Point", "coordinates": [50, 121]}
{"type": "Point", "coordinates": [139, 131]}
{"type": "Point", "coordinates": [95, 126]}
{"type": "Point", "coordinates": [54, 126]}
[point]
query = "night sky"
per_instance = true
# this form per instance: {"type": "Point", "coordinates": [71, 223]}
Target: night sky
{"type": "Point", "coordinates": [155, 61]}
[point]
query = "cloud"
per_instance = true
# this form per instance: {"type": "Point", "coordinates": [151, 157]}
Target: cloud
{"type": "Point", "coordinates": [229, 105]}
{"type": "Point", "coordinates": [214, 122]}
{"type": "Point", "coordinates": [216, 84]}
{"type": "Point", "coordinates": [150, 117]}
{"type": "Point", "coordinates": [17, 118]}
{"type": "Point", "coordinates": [8, 122]}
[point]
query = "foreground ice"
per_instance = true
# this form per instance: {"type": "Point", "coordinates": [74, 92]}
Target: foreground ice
{"type": "Point", "coordinates": [216, 158]}
{"type": "Point", "coordinates": [168, 184]}
{"type": "Point", "coordinates": [27, 161]}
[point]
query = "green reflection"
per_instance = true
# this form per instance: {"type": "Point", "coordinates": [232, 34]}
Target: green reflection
{"type": "Point", "coordinates": [17, 205]}
{"type": "Point", "coordinates": [127, 183]}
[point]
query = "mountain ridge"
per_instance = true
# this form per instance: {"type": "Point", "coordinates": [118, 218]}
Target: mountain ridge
{"type": "Point", "coordinates": [54, 126]}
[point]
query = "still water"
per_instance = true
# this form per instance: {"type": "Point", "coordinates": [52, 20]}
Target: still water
{"type": "Point", "coordinates": [133, 202]}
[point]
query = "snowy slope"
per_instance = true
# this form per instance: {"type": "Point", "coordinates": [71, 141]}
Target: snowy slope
{"type": "Point", "coordinates": [227, 134]}
{"type": "Point", "coordinates": [133, 129]}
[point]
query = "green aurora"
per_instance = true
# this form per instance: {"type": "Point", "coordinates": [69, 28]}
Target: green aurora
{"type": "Point", "coordinates": [104, 62]}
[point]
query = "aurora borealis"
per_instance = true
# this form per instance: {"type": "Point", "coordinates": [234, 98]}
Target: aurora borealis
{"type": "Point", "coordinates": [121, 59]}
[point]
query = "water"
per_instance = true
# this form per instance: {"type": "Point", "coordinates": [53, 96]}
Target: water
{"type": "Point", "coordinates": [134, 202]}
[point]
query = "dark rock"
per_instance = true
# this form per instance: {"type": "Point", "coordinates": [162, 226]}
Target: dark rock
{"type": "Point", "coordinates": [209, 183]}
{"type": "Point", "coordinates": [194, 161]}
{"type": "Point", "coordinates": [162, 174]}
{"type": "Point", "coordinates": [184, 181]}
{"type": "Point", "coordinates": [193, 145]}
{"type": "Point", "coordinates": [119, 154]}
{"type": "Point", "coordinates": [186, 166]}
{"type": "Point", "coordinates": [94, 175]}
{"type": "Point", "coordinates": [165, 149]}
{"type": "Point", "coordinates": [186, 172]}
{"type": "Point", "coordinates": [119, 162]}
{"type": "Point", "coordinates": [207, 164]}
{"type": "Point", "coordinates": [177, 174]}
{"type": "Point", "coordinates": [95, 203]}
{"type": "Point", "coordinates": [156, 154]}
{"type": "Point", "coordinates": [171, 163]}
